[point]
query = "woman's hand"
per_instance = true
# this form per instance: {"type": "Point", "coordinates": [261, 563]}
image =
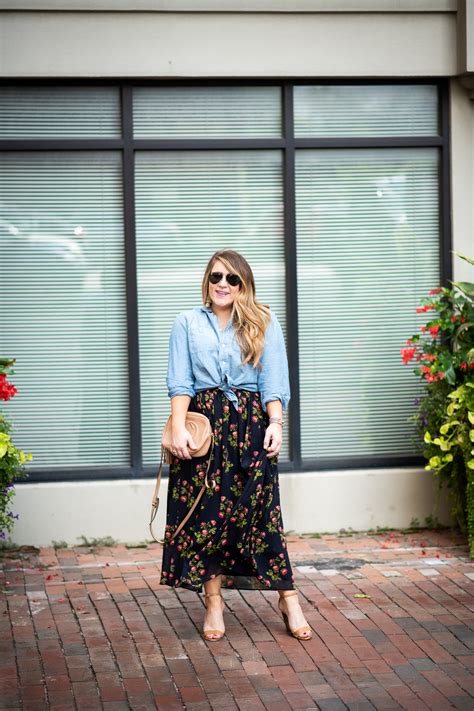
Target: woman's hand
{"type": "Point", "coordinates": [180, 441]}
{"type": "Point", "coordinates": [273, 439]}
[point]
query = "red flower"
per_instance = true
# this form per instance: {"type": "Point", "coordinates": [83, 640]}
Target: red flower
{"type": "Point", "coordinates": [408, 354]}
{"type": "Point", "coordinates": [7, 390]}
{"type": "Point", "coordinates": [434, 330]}
{"type": "Point", "coordinates": [436, 291]}
{"type": "Point", "coordinates": [429, 357]}
{"type": "Point", "coordinates": [463, 365]}
{"type": "Point", "coordinates": [454, 318]}
{"type": "Point", "coordinates": [424, 309]}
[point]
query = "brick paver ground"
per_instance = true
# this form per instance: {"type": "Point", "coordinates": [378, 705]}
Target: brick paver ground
{"type": "Point", "coordinates": [392, 614]}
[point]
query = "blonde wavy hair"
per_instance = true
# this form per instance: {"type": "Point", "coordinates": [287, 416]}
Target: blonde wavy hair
{"type": "Point", "coordinates": [249, 318]}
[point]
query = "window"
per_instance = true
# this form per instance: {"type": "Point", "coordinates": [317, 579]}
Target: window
{"type": "Point", "coordinates": [114, 197]}
{"type": "Point", "coordinates": [367, 246]}
{"type": "Point", "coordinates": [207, 112]}
{"type": "Point", "coordinates": [188, 205]}
{"type": "Point", "coordinates": [371, 110]}
{"type": "Point", "coordinates": [62, 299]}
{"type": "Point", "coordinates": [59, 112]}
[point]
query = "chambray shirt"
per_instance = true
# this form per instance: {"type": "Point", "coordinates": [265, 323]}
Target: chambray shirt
{"type": "Point", "coordinates": [203, 356]}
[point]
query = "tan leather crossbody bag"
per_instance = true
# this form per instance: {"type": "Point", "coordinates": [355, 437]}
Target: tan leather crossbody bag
{"type": "Point", "coordinates": [200, 429]}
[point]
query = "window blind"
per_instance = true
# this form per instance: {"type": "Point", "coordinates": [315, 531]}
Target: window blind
{"type": "Point", "coordinates": [62, 296]}
{"type": "Point", "coordinates": [207, 112]}
{"type": "Point", "coordinates": [59, 112]}
{"type": "Point", "coordinates": [367, 251]}
{"type": "Point", "coordinates": [370, 110]}
{"type": "Point", "coordinates": [188, 205]}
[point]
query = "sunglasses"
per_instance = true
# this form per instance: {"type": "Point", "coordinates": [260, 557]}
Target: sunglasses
{"type": "Point", "coordinates": [232, 279]}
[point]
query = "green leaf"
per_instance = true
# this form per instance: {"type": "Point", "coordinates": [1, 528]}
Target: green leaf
{"type": "Point", "coordinates": [445, 428]}
{"type": "Point", "coordinates": [452, 407]}
{"type": "Point", "coordinates": [450, 375]}
{"type": "Point", "coordinates": [470, 464]}
{"type": "Point", "coordinates": [435, 462]}
{"type": "Point", "coordinates": [465, 286]}
{"type": "Point", "coordinates": [461, 256]}
{"type": "Point", "coordinates": [4, 442]}
{"type": "Point", "coordinates": [427, 438]}
{"type": "Point", "coordinates": [471, 417]}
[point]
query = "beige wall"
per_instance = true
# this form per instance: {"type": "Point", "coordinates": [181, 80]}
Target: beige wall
{"type": "Point", "coordinates": [311, 502]}
{"type": "Point", "coordinates": [230, 44]}
{"type": "Point", "coordinates": [462, 178]}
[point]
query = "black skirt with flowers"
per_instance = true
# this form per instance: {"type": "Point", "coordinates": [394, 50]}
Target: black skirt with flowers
{"type": "Point", "coordinates": [237, 528]}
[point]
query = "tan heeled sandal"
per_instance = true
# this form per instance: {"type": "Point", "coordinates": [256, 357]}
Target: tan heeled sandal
{"type": "Point", "coordinates": [304, 632]}
{"type": "Point", "coordinates": [219, 633]}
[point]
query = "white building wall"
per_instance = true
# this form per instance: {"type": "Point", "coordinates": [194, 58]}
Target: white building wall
{"type": "Point", "coordinates": [228, 44]}
{"type": "Point", "coordinates": [311, 502]}
{"type": "Point", "coordinates": [462, 177]}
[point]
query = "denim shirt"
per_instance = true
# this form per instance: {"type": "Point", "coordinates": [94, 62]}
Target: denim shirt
{"type": "Point", "coordinates": [201, 356]}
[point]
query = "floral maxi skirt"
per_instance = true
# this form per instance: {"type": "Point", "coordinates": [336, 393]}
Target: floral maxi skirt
{"type": "Point", "coordinates": [237, 528]}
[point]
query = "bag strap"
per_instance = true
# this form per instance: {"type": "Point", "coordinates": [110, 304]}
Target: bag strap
{"type": "Point", "coordinates": [156, 500]}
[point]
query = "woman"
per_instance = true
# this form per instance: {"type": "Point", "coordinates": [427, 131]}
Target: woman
{"type": "Point", "coordinates": [227, 359]}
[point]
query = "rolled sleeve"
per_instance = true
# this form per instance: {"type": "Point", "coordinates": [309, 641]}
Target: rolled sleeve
{"type": "Point", "coordinates": [180, 379]}
{"type": "Point", "coordinates": [273, 378]}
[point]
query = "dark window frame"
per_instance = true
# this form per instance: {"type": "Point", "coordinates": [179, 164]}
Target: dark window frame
{"type": "Point", "coordinates": [288, 144]}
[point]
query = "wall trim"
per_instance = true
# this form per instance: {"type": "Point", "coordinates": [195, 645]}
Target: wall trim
{"type": "Point", "coordinates": [280, 6]}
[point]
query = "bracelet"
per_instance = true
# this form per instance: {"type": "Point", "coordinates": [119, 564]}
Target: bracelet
{"type": "Point", "coordinates": [277, 420]}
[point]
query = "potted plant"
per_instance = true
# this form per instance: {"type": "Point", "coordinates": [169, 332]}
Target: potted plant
{"type": "Point", "coordinates": [12, 459]}
{"type": "Point", "coordinates": [443, 354]}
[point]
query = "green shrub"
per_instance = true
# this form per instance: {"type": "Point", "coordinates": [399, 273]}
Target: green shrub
{"type": "Point", "coordinates": [443, 355]}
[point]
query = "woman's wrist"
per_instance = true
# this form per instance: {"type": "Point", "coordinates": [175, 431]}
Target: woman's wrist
{"type": "Point", "coordinates": [177, 423]}
{"type": "Point", "coordinates": [276, 420]}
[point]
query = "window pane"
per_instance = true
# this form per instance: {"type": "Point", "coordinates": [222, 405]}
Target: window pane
{"type": "Point", "coordinates": [207, 112]}
{"type": "Point", "coordinates": [59, 112]}
{"type": "Point", "coordinates": [62, 292]}
{"type": "Point", "coordinates": [368, 249]}
{"type": "Point", "coordinates": [380, 110]}
{"type": "Point", "coordinates": [188, 206]}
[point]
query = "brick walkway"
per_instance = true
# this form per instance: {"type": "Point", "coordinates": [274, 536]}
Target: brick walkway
{"type": "Point", "coordinates": [392, 616]}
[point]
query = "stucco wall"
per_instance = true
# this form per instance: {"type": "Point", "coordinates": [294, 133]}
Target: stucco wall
{"type": "Point", "coordinates": [311, 502]}
{"type": "Point", "coordinates": [227, 44]}
{"type": "Point", "coordinates": [462, 178]}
